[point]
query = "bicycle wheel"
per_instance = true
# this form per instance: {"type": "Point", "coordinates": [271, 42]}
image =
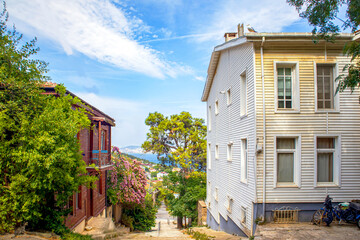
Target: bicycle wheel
{"type": "Point", "coordinates": [317, 217]}
{"type": "Point", "coordinates": [358, 223]}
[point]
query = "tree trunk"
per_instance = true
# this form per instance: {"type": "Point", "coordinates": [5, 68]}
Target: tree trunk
{"type": "Point", "coordinates": [179, 222]}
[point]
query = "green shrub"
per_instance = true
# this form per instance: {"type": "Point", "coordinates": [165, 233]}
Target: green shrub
{"type": "Point", "coordinates": [127, 221]}
{"type": "Point", "coordinates": [141, 218]}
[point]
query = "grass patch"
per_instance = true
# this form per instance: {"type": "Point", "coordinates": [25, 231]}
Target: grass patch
{"type": "Point", "coordinates": [75, 236]}
{"type": "Point", "coordinates": [198, 235]}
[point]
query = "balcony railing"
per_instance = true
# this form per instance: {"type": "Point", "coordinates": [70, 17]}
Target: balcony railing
{"type": "Point", "coordinates": [103, 160]}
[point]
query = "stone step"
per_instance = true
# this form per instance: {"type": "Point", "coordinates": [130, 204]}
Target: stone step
{"type": "Point", "coordinates": [117, 232]}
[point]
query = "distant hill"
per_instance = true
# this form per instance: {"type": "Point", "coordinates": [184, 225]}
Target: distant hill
{"type": "Point", "coordinates": [137, 152]}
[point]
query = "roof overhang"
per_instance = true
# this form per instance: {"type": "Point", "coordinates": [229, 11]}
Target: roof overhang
{"type": "Point", "coordinates": [258, 37]}
{"type": "Point", "coordinates": [50, 89]}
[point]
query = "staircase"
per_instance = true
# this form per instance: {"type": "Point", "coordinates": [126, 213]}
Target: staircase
{"type": "Point", "coordinates": [100, 228]}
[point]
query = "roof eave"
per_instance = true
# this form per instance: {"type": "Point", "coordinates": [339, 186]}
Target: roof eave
{"type": "Point", "coordinates": [214, 62]}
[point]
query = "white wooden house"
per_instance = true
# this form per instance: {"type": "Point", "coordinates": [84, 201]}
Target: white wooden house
{"type": "Point", "coordinates": [278, 135]}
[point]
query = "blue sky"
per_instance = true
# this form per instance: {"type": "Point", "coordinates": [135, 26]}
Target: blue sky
{"type": "Point", "coordinates": [129, 58]}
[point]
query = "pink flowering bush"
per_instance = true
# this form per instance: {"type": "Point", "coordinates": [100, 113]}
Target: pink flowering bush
{"type": "Point", "coordinates": [127, 180]}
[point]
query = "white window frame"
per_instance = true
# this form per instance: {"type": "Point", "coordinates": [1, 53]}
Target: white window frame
{"type": "Point", "coordinates": [209, 156]}
{"type": "Point", "coordinates": [295, 87]}
{"type": "Point", "coordinates": [336, 161]}
{"type": "Point", "coordinates": [244, 160]}
{"type": "Point", "coordinates": [228, 97]}
{"type": "Point", "coordinates": [297, 162]}
{"type": "Point", "coordinates": [216, 107]}
{"type": "Point", "coordinates": [217, 151]}
{"type": "Point", "coordinates": [216, 194]}
{"type": "Point", "coordinates": [243, 212]}
{"type": "Point", "coordinates": [208, 200]}
{"type": "Point", "coordinates": [243, 94]}
{"type": "Point", "coordinates": [336, 107]}
{"type": "Point", "coordinates": [229, 203]}
{"type": "Point", "coordinates": [229, 151]}
{"type": "Point", "coordinates": [209, 118]}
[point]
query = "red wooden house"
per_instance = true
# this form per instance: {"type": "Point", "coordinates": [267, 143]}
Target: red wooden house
{"type": "Point", "coordinates": [96, 149]}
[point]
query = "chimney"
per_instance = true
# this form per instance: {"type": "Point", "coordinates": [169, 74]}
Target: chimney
{"type": "Point", "coordinates": [241, 30]}
{"type": "Point", "coordinates": [229, 36]}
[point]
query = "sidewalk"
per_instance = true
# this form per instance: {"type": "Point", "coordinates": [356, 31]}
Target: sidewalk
{"type": "Point", "coordinates": [167, 228]}
{"type": "Point", "coordinates": [307, 231]}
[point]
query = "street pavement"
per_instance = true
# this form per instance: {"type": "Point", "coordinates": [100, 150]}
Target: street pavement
{"type": "Point", "coordinates": [165, 228]}
{"type": "Point", "coordinates": [307, 231]}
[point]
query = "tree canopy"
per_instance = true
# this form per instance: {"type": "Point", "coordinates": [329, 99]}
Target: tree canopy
{"type": "Point", "coordinates": [41, 164]}
{"type": "Point", "coordinates": [323, 15]}
{"type": "Point", "coordinates": [180, 137]}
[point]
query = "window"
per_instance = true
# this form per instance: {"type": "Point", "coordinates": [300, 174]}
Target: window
{"type": "Point", "coordinates": [70, 204]}
{"type": "Point", "coordinates": [103, 140]}
{"type": "Point", "coordinates": [216, 107]}
{"type": "Point", "coordinates": [229, 203]}
{"type": "Point", "coordinates": [209, 119]}
{"type": "Point", "coordinates": [228, 97]}
{"type": "Point", "coordinates": [79, 199]}
{"type": "Point", "coordinates": [216, 194]}
{"type": "Point", "coordinates": [76, 200]}
{"type": "Point", "coordinates": [229, 151]}
{"type": "Point", "coordinates": [244, 160]}
{"type": "Point", "coordinates": [284, 78]}
{"type": "Point", "coordinates": [243, 94]}
{"type": "Point", "coordinates": [326, 152]}
{"type": "Point", "coordinates": [209, 156]}
{"type": "Point", "coordinates": [285, 151]}
{"type": "Point", "coordinates": [217, 151]}
{"type": "Point", "coordinates": [325, 86]}
{"type": "Point", "coordinates": [208, 189]}
{"type": "Point", "coordinates": [100, 187]}
{"type": "Point", "coordinates": [287, 86]}
{"type": "Point", "coordinates": [243, 215]}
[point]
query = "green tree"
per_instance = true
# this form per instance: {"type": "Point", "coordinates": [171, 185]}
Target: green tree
{"type": "Point", "coordinates": [180, 136]}
{"type": "Point", "coordinates": [182, 139]}
{"type": "Point", "coordinates": [322, 15]}
{"type": "Point", "coordinates": [190, 188]}
{"type": "Point", "coordinates": [40, 161]}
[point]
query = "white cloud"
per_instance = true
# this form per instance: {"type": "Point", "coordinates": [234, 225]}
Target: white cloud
{"type": "Point", "coordinates": [200, 78]}
{"type": "Point", "coordinates": [98, 29]}
{"type": "Point", "coordinates": [129, 117]}
{"type": "Point", "coordinates": [263, 15]}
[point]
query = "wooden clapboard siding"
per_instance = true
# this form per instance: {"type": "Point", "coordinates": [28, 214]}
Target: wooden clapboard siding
{"type": "Point", "coordinates": [228, 126]}
{"type": "Point", "coordinates": [307, 123]}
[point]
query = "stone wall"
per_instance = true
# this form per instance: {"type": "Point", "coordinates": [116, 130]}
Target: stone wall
{"type": "Point", "coordinates": [202, 211]}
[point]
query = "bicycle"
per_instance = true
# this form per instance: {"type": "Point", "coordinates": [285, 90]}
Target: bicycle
{"type": "Point", "coordinates": [341, 212]}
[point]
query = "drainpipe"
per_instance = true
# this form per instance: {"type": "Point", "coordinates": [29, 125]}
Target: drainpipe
{"type": "Point", "coordinates": [264, 127]}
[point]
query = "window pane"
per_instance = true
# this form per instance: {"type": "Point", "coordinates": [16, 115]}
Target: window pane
{"type": "Point", "coordinates": [325, 167]}
{"type": "Point", "coordinates": [288, 93]}
{"type": "Point", "coordinates": [285, 143]}
{"type": "Point", "coordinates": [285, 167]}
{"type": "Point", "coordinates": [326, 70]}
{"type": "Point", "coordinates": [281, 86]}
{"type": "Point", "coordinates": [288, 104]}
{"type": "Point", "coordinates": [287, 71]}
{"type": "Point", "coordinates": [325, 143]}
{"type": "Point", "coordinates": [281, 104]}
{"type": "Point", "coordinates": [288, 82]}
{"type": "Point", "coordinates": [327, 104]}
{"type": "Point", "coordinates": [280, 71]}
{"type": "Point", "coordinates": [320, 104]}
